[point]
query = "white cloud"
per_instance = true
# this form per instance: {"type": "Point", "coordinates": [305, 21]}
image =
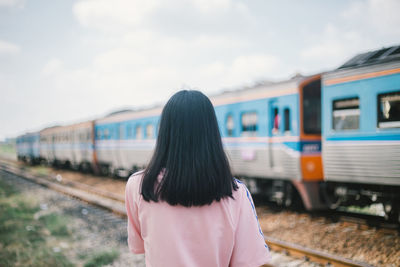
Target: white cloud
{"type": "Point", "coordinates": [12, 3]}
{"type": "Point", "coordinates": [104, 14]}
{"type": "Point", "coordinates": [52, 67]}
{"type": "Point", "coordinates": [176, 15]}
{"type": "Point", "coordinates": [334, 45]}
{"type": "Point", "coordinates": [8, 48]}
{"type": "Point", "coordinates": [208, 6]}
{"type": "Point", "coordinates": [361, 27]}
{"type": "Point", "coordinates": [385, 16]}
{"type": "Point", "coordinates": [249, 68]}
{"type": "Point", "coordinates": [380, 16]}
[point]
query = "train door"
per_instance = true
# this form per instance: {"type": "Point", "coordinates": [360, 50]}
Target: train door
{"type": "Point", "coordinates": [116, 139]}
{"type": "Point", "coordinates": [122, 150]}
{"type": "Point", "coordinates": [74, 144]}
{"type": "Point", "coordinates": [52, 151]}
{"type": "Point", "coordinates": [273, 129]}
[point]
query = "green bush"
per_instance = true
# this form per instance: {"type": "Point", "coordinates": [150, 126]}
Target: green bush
{"type": "Point", "coordinates": [102, 258]}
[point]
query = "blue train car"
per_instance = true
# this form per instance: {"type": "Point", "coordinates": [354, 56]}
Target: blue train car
{"type": "Point", "coordinates": [271, 133]}
{"type": "Point", "coordinates": [28, 149]}
{"type": "Point", "coordinates": [361, 130]}
{"type": "Point", "coordinates": [124, 141]}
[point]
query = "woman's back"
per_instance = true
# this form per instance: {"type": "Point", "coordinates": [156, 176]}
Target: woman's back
{"type": "Point", "coordinates": [185, 208]}
{"type": "Point", "coordinates": [225, 233]}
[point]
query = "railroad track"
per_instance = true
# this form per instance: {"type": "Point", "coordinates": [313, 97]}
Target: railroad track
{"type": "Point", "coordinates": [115, 203]}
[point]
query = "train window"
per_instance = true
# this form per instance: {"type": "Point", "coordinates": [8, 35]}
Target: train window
{"type": "Point", "coordinates": [286, 117]}
{"type": "Point", "coordinates": [128, 131]}
{"type": "Point", "coordinates": [395, 52]}
{"type": "Point", "coordinates": [106, 134]}
{"type": "Point", "coordinates": [133, 131]}
{"type": "Point", "coordinates": [229, 125]}
{"type": "Point", "coordinates": [312, 108]}
{"type": "Point", "coordinates": [121, 132]}
{"type": "Point", "coordinates": [249, 124]}
{"type": "Point", "coordinates": [138, 132]}
{"type": "Point", "coordinates": [275, 121]}
{"type": "Point", "coordinates": [346, 114]}
{"type": "Point", "coordinates": [389, 110]}
{"type": "Point", "coordinates": [149, 131]}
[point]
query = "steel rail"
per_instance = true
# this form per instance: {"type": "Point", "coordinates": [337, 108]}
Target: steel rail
{"type": "Point", "coordinates": [327, 259]}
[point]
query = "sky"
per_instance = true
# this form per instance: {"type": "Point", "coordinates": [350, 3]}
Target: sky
{"type": "Point", "coordinates": [68, 61]}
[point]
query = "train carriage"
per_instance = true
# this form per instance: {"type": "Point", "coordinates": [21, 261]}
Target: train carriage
{"type": "Point", "coordinates": [82, 145]}
{"type": "Point", "coordinates": [361, 130]}
{"type": "Point", "coordinates": [71, 145]}
{"type": "Point", "coordinates": [125, 140]}
{"type": "Point", "coordinates": [261, 133]}
{"type": "Point", "coordinates": [271, 133]}
{"type": "Point", "coordinates": [28, 147]}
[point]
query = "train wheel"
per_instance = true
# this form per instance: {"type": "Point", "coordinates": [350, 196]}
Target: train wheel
{"type": "Point", "coordinates": [292, 198]}
{"type": "Point", "coordinates": [392, 213]}
{"type": "Point", "coordinates": [329, 197]}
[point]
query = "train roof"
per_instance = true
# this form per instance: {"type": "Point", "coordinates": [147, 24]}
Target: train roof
{"type": "Point", "coordinates": [28, 134]}
{"type": "Point", "coordinates": [130, 114]}
{"type": "Point", "coordinates": [261, 90]}
{"type": "Point", "coordinates": [68, 127]}
{"type": "Point", "coordinates": [383, 55]}
{"type": "Point", "coordinates": [257, 91]}
{"type": "Point", "coordinates": [366, 65]}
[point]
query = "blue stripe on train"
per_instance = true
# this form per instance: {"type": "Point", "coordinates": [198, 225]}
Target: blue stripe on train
{"type": "Point", "coordinates": [394, 137]}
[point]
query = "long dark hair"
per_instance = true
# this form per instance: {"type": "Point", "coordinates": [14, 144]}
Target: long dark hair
{"type": "Point", "coordinates": [189, 154]}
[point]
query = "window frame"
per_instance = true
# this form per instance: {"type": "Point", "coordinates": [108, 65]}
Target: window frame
{"type": "Point", "coordinates": [287, 120]}
{"type": "Point", "coordinates": [138, 126]}
{"type": "Point", "coordinates": [383, 125]}
{"type": "Point", "coordinates": [228, 133]}
{"type": "Point", "coordinates": [346, 111]}
{"type": "Point", "coordinates": [249, 132]}
{"type": "Point", "coordinates": [146, 136]}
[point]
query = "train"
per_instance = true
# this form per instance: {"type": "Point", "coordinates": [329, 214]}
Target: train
{"type": "Point", "coordinates": [326, 140]}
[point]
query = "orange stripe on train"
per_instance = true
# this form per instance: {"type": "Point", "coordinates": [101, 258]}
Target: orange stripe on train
{"type": "Point", "coordinates": [361, 76]}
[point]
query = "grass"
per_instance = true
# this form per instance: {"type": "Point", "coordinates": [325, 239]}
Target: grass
{"type": "Point", "coordinates": [23, 240]}
{"type": "Point", "coordinates": [102, 258]}
{"type": "Point", "coordinates": [56, 224]}
{"type": "Point", "coordinates": [8, 150]}
{"type": "Point", "coordinates": [41, 170]}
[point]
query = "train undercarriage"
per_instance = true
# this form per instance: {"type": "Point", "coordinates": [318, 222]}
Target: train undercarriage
{"type": "Point", "coordinates": [337, 195]}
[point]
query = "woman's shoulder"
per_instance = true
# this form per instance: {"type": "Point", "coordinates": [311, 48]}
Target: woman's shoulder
{"type": "Point", "coordinates": [241, 188]}
{"type": "Point", "coordinates": [239, 194]}
{"type": "Point", "coordinates": [135, 177]}
{"type": "Point", "coordinates": [134, 182]}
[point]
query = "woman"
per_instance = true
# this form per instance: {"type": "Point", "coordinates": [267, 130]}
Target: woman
{"type": "Point", "coordinates": [185, 208]}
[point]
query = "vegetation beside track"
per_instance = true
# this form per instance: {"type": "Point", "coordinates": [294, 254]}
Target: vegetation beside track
{"type": "Point", "coordinates": [8, 150]}
{"type": "Point", "coordinates": [24, 238]}
{"type": "Point", "coordinates": [35, 231]}
{"type": "Point", "coordinates": [102, 258]}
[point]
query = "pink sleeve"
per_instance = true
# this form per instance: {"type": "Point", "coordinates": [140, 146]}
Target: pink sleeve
{"type": "Point", "coordinates": [249, 248]}
{"type": "Point", "coordinates": [135, 241]}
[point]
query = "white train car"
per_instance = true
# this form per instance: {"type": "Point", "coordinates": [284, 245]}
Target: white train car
{"type": "Point", "coordinates": [71, 145]}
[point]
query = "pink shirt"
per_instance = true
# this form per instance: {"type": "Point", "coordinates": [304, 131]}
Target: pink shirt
{"type": "Point", "coordinates": [225, 233]}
